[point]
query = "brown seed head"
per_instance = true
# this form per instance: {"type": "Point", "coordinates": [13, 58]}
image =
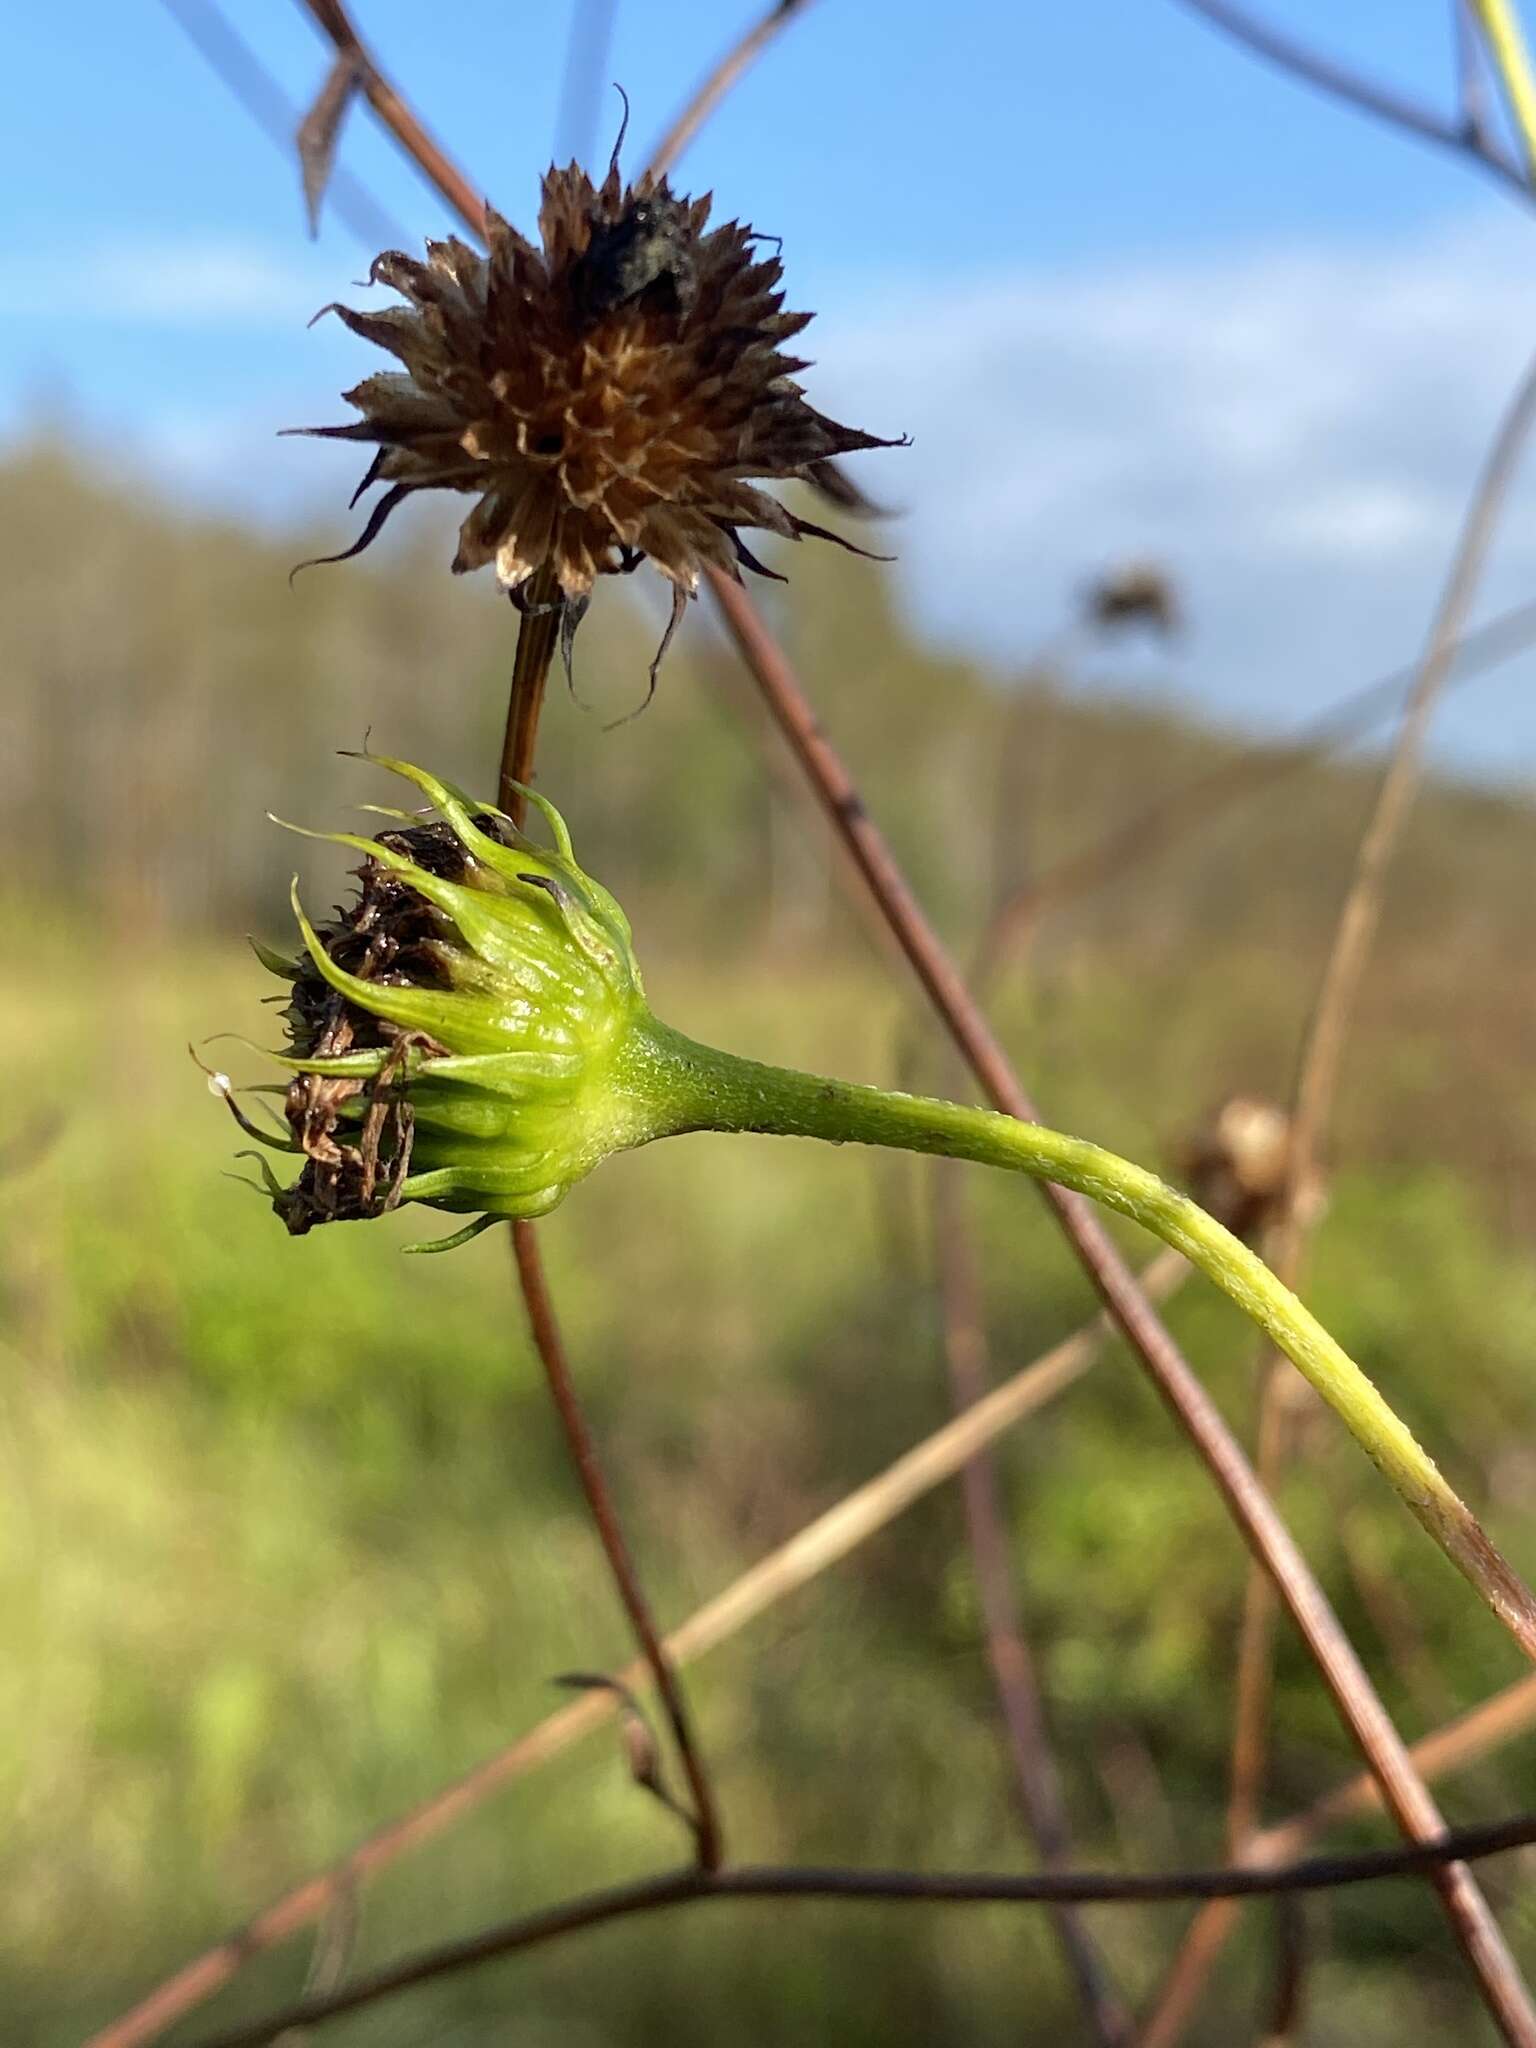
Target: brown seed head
{"type": "Point", "coordinates": [389, 935]}
{"type": "Point", "coordinates": [1134, 594]}
{"type": "Point", "coordinates": [604, 398]}
{"type": "Point", "coordinates": [1238, 1163]}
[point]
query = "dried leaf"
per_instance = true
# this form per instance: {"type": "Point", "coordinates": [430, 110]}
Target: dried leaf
{"type": "Point", "coordinates": [320, 131]}
{"type": "Point", "coordinates": [637, 1738]}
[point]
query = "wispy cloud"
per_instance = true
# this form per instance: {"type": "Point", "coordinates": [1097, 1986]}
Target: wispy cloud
{"type": "Point", "coordinates": [1293, 431]}
{"type": "Point", "coordinates": [157, 283]}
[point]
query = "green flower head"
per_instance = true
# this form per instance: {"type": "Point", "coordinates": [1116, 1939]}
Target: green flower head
{"type": "Point", "coordinates": [453, 1031]}
{"type": "Point", "coordinates": [472, 1033]}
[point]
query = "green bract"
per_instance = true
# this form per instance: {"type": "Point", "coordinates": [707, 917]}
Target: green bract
{"type": "Point", "coordinates": [454, 1032]}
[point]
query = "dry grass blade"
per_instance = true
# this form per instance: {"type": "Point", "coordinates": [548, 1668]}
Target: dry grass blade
{"type": "Point", "coordinates": [813, 1550]}
{"type": "Point", "coordinates": [1338, 992]}
{"type": "Point", "coordinates": [1500, 24]}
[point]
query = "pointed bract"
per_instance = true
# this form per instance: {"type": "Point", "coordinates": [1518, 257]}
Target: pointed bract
{"type": "Point", "coordinates": [450, 1031]}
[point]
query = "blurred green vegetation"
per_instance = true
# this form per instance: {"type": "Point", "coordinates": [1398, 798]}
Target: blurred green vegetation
{"type": "Point", "coordinates": [286, 1536]}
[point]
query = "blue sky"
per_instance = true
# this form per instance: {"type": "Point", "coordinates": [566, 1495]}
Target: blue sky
{"type": "Point", "coordinates": [1130, 292]}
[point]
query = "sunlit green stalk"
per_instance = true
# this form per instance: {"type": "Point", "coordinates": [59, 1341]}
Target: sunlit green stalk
{"type": "Point", "coordinates": [709, 1090]}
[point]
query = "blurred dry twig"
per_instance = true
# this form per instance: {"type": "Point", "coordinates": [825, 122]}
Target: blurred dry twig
{"type": "Point", "coordinates": [692, 1886]}
{"type": "Point", "coordinates": [713, 89]}
{"type": "Point", "coordinates": [1369, 95]}
{"type": "Point", "coordinates": [248, 79]}
{"type": "Point", "coordinates": [587, 45]}
{"type": "Point", "coordinates": [1013, 1668]}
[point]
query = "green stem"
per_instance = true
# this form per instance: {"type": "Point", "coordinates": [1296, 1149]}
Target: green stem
{"type": "Point", "coordinates": [699, 1088]}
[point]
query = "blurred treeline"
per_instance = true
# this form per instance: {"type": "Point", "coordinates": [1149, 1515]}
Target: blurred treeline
{"type": "Point", "coordinates": [165, 685]}
{"type": "Point", "coordinates": [286, 1536]}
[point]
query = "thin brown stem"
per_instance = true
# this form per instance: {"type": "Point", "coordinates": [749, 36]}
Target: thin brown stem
{"type": "Point", "coordinates": [713, 89]}
{"type": "Point", "coordinates": [537, 637]}
{"type": "Point", "coordinates": [538, 631]}
{"type": "Point", "coordinates": [1461, 1743]}
{"type": "Point", "coordinates": [1405, 1793]}
{"type": "Point", "coordinates": [692, 1887]}
{"type": "Point", "coordinates": [546, 1335]}
{"type": "Point", "coordinates": [1013, 1670]}
{"type": "Point", "coordinates": [435, 165]}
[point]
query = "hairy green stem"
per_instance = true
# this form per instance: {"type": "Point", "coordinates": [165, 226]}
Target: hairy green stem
{"type": "Point", "coordinates": [694, 1087]}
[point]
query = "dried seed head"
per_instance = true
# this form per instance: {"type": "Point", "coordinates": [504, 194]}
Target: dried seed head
{"type": "Point", "coordinates": [605, 398]}
{"type": "Point", "coordinates": [1134, 594]}
{"type": "Point", "coordinates": [1238, 1163]}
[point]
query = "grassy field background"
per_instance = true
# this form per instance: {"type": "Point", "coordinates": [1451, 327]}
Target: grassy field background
{"type": "Point", "coordinates": [286, 1536]}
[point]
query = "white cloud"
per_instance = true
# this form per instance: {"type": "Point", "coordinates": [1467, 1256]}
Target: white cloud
{"type": "Point", "coordinates": [1351, 523]}
{"type": "Point", "coordinates": [156, 283]}
{"type": "Point", "coordinates": [1293, 431]}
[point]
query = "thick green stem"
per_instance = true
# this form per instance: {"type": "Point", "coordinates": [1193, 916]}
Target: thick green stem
{"type": "Point", "coordinates": [693, 1087]}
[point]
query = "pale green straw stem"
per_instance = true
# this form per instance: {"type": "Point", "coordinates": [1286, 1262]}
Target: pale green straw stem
{"type": "Point", "coordinates": [1505, 37]}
